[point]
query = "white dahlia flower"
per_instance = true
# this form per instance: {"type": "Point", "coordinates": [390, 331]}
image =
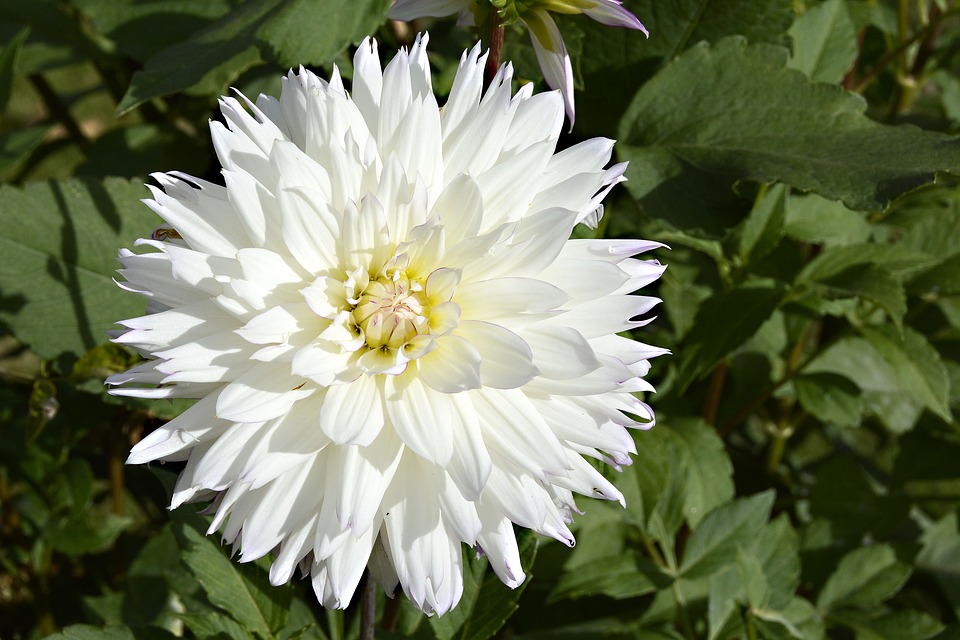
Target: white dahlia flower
{"type": "Point", "coordinates": [395, 347]}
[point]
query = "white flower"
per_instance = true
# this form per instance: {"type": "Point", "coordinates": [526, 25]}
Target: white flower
{"type": "Point", "coordinates": [394, 346]}
{"type": "Point", "coordinates": [544, 34]}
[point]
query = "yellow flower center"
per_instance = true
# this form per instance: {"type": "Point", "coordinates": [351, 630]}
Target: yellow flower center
{"type": "Point", "coordinates": [391, 311]}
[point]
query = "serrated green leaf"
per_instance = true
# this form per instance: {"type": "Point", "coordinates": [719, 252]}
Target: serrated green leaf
{"type": "Point", "coordinates": [622, 57]}
{"type": "Point", "coordinates": [709, 481]}
{"type": "Point", "coordinates": [58, 260]}
{"type": "Point", "coordinates": [776, 548]}
{"type": "Point", "coordinates": [830, 397]}
{"type": "Point", "coordinates": [723, 323]}
{"type": "Point", "coordinates": [714, 543]}
{"type": "Point", "coordinates": [734, 112]}
{"type": "Point", "coordinates": [864, 577]}
{"type": "Point", "coordinates": [245, 594]}
{"type": "Point", "coordinates": [314, 31]}
{"type": "Point", "coordinates": [919, 368]}
{"type": "Point", "coordinates": [824, 42]}
{"type": "Point", "coordinates": [895, 625]}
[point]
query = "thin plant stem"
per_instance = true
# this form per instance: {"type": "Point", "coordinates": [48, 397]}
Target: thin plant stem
{"type": "Point", "coordinates": [368, 607]}
{"type": "Point", "coordinates": [496, 46]}
{"type": "Point", "coordinates": [715, 393]}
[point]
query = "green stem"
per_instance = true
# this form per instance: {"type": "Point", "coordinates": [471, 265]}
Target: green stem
{"type": "Point", "coordinates": [368, 607]}
{"type": "Point", "coordinates": [335, 624]}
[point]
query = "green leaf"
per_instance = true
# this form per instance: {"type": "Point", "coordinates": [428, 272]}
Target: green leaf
{"type": "Point", "coordinates": [58, 260]}
{"type": "Point", "coordinates": [813, 219]}
{"type": "Point", "coordinates": [919, 369]}
{"type": "Point", "coordinates": [734, 112]}
{"type": "Point", "coordinates": [713, 545]}
{"type": "Point", "coordinates": [127, 22]}
{"type": "Point", "coordinates": [824, 42]}
{"type": "Point", "coordinates": [943, 279]}
{"type": "Point", "coordinates": [940, 557]}
{"type": "Point", "coordinates": [89, 632]}
{"type": "Point", "coordinates": [869, 282]}
{"type": "Point", "coordinates": [205, 62]}
{"type": "Point", "coordinates": [290, 32]}
{"type": "Point", "coordinates": [55, 36]}
{"type": "Point", "coordinates": [776, 548]}
{"type": "Point", "coordinates": [245, 593]}
{"type": "Point", "coordinates": [723, 323]}
{"type": "Point", "coordinates": [496, 603]}
{"type": "Point", "coordinates": [624, 575]}
{"type": "Point", "coordinates": [314, 31]}
{"type": "Point", "coordinates": [709, 482]}
{"type": "Point", "coordinates": [763, 228]}
{"type": "Point", "coordinates": [864, 577]}
{"type": "Point", "coordinates": [16, 146]}
{"type": "Point", "coordinates": [8, 66]}
{"type": "Point", "coordinates": [830, 397]}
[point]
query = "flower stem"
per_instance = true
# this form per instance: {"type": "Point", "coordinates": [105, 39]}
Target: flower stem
{"type": "Point", "coordinates": [496, 46]}
{"type": "Point", "coordinates": [368, 607]}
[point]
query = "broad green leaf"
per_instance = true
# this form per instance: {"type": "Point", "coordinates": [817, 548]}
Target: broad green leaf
{"type": "Point", "coordinates": [824, 42]}
{"type": "Point", "coordinates": [314, 31]}
{"type": "Point", "coordinates": [291, 32]}
{"type": "Point", "coordinates": [243, 592]}
{"type": "Point", "coordinates": [942, 279]}
{"type": "Point", "coordinates": [813, 219]}
{"type": "Point", "coordinates": [714, 543]}
{"type": "Point", "coordinates": [865, 577]}
{"type": "Point", "coordinates": [900, 260]}
{"type": "Point", "coordinates": [776, 548]}
{"type": "Point", "coordinates": [655, 485]}
{"type": "Point", "coordinates": [126, 22]}
{"type": "Point", "coordinates": [940, 557]}
{"type": "Point", "coordinates": [89, 632]}
{"type": "Point", "coordinates": [205, 62]}
{"type": "Point", "coordinates": [917, 363]}
{"type": "Point", "coordinates": [830, 397]}
{"type": "Point", "coordinates": [88, 532]}
{"type": "Point", "coordinates": [732, 112]}
{"type": "Point", "coordinates": [683, 291]}
{"type": "Point", "coordinates": [625, 575]}
{"type": "Point", "coordinates": [723, 323]}
{"type": "Point", "coordinates": [709, 482]}
{"type": "Point", "coordinates": [623, 58]}
{"type": "Point", "coordinates": [867, 282]}
{"type": "Point", "coordinates": [907, 624]}
{"type": "Point", "coordinates": [496, 602]}
{"type": "Point", "coordinates": [213, 625]}
{"type": "Point", "coordinates": [8, 66]}
{"type": "Point", "coordinates": [763, 228]}
{"type": "Point", "coordinates": [58, 253]}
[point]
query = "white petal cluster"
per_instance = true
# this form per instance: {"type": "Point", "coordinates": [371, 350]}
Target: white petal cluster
{"type": "Point", "coordinates": [395, 347]}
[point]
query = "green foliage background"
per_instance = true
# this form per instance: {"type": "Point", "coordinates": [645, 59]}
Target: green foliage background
{"type": "Point", "coordinates": [799, 157]}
